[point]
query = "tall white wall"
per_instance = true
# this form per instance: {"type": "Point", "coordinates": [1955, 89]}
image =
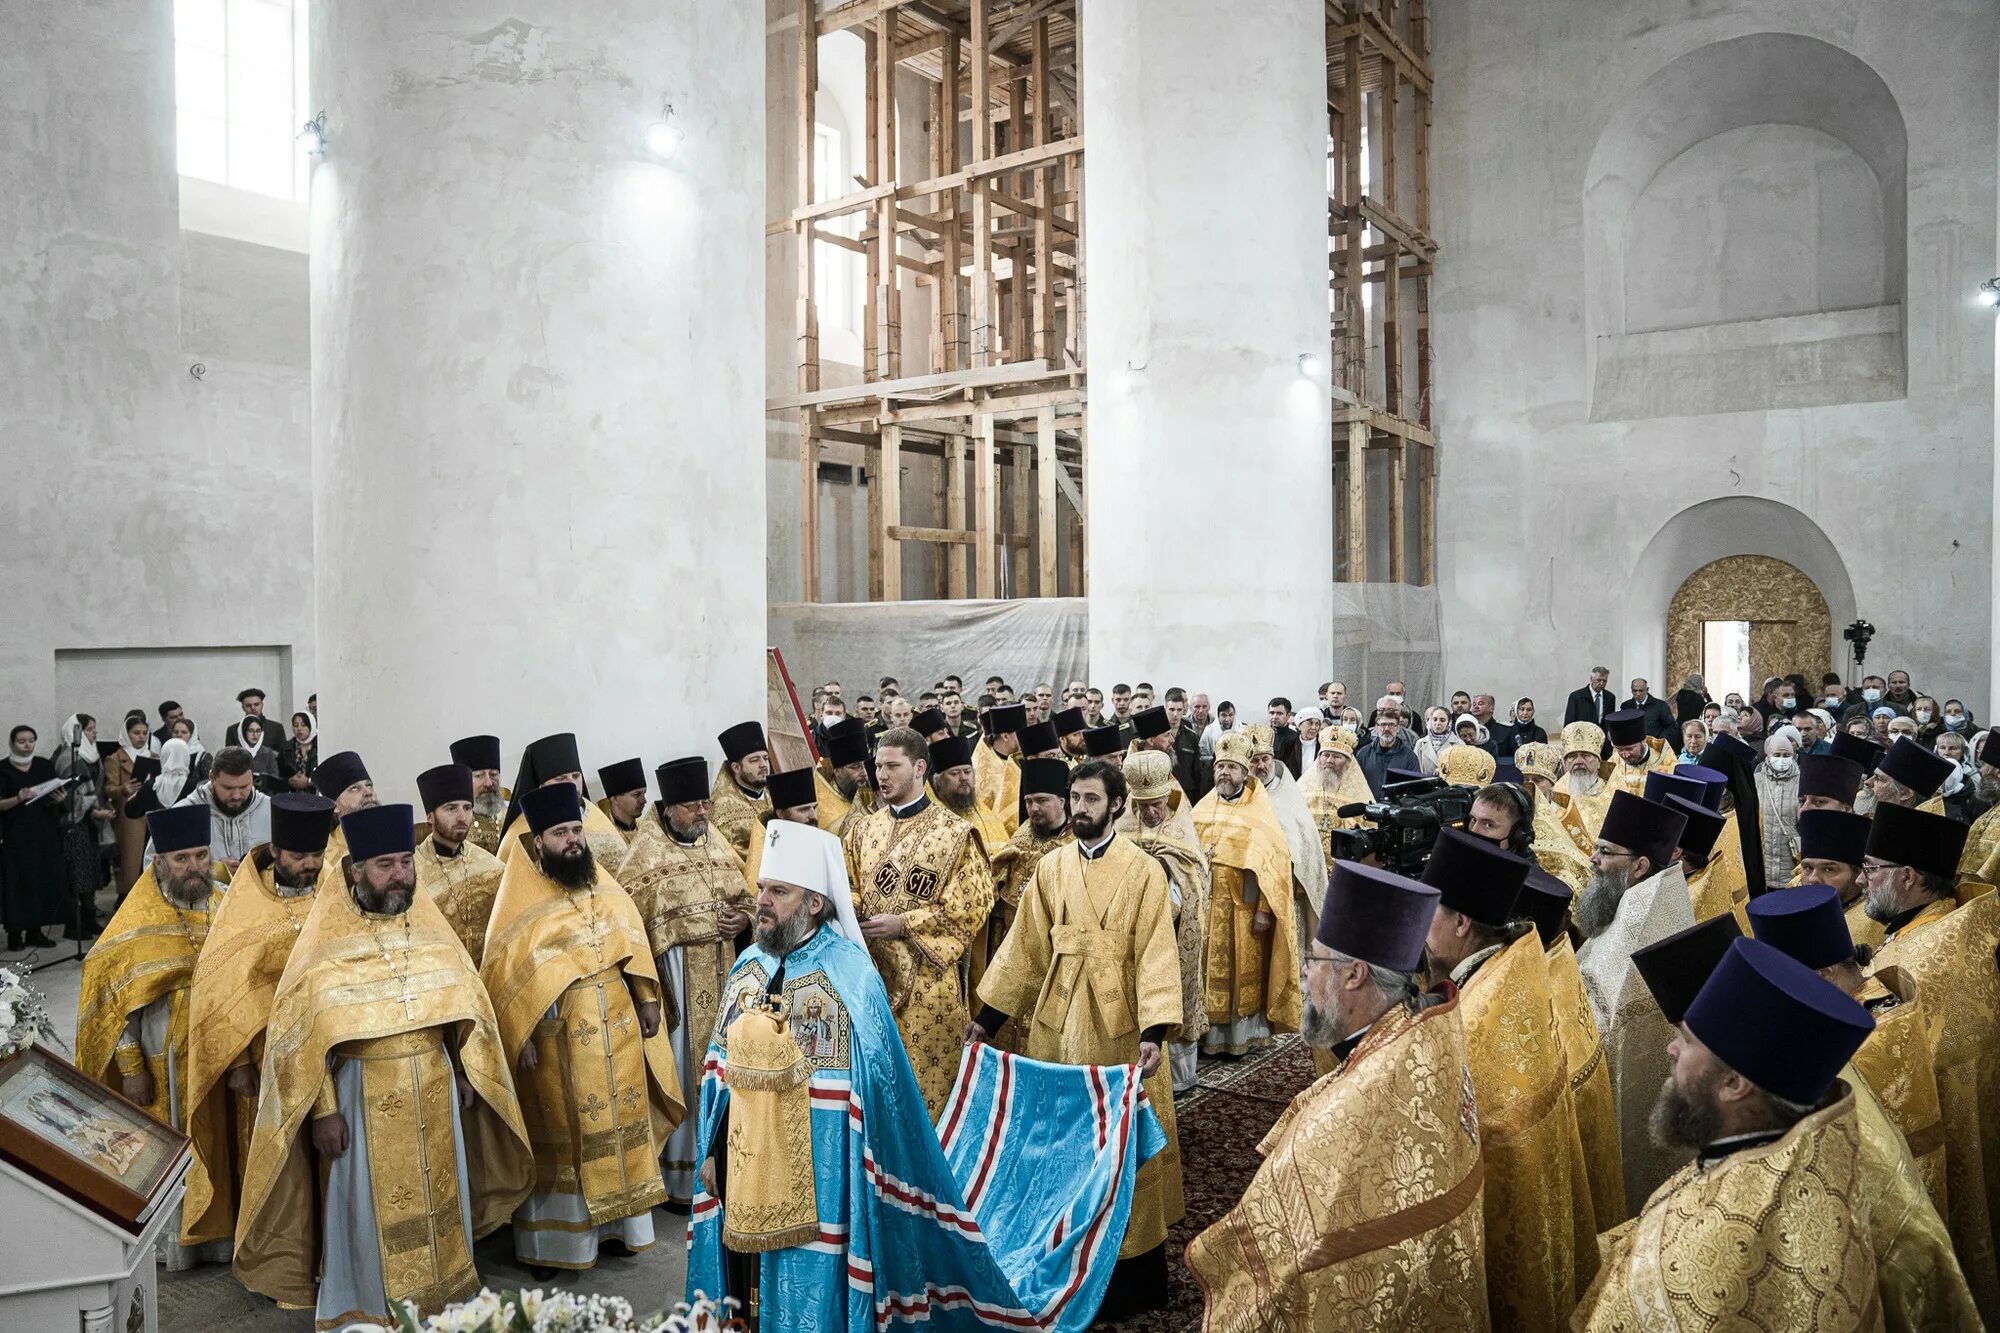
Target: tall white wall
{"type": "Point", "coordinates": [538, 376]}
{"type": "Point", "coordinates": [1704, 288]}
{"type": "Point", "coordinates": [1209, 461]}
{"type": "Point", "coordinates": [148, 512]}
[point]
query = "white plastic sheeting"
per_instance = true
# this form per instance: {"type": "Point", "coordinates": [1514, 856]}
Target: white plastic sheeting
{"type": "Point", "coordinates": [1379, 632]}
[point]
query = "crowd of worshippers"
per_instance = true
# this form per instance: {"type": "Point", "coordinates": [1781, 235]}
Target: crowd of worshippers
{"type": "Point", "coordinates": [1692, 1019]}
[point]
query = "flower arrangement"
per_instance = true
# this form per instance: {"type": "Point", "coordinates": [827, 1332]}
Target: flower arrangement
{"type": "Point", "coordinates": [538, 1311]}
{"type": "Point", "coordinates": [24, 1015]}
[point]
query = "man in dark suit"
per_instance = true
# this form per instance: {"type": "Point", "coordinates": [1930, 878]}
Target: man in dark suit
{"type": "Point", "coordinates": [1659, 713]}
{"type": "Point", "coordinates": [1593, 701]}
{"type": "Point", "coordinates": [1194, 776]}
{"type": "Point", "coordinates": [1284, 736]}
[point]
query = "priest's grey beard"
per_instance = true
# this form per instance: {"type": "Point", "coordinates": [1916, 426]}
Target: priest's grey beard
{"type": "Point", "coordinates": [1320, 1027]}
{"type": "Point", "coordinates": [1597, 905]}
{"type": "Point", "coordinates": [780, 939]}
{"type": "Point", "coordinates": [958, 802]}
{"type": "Point", "coordinates": [1582, 784]}
{"type": "Point", "coordinates": [490, 806]}
{"type": "Point", "coordinates": [187, 891]}
{"type": "Point", "coordinates": [1682, 1121]}
{"type": "Point", "coordinates": [576, 870]}
{"type": "Point", "coordinates": [1864, 801]}
{"type": "Point", "coordinates": [1879, 904]}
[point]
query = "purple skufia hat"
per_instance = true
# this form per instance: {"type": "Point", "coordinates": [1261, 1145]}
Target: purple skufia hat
{"type": "Point", "coordinates": [1777, 1022]}
{"type": "Point", "coordinates": [1807, 922]}
{"type": "Point", "coordinates": [1378, 917]}
{"type": "Point", "coordinates": [1675, 968]}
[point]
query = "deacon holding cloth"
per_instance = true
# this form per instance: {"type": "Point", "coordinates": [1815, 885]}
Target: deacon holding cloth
{"type": "Point", "coordinates": [453, 871]}
{"type": "Point", "coordinates": [624, 799]}
{"type": "Point", "coordinates": [1947, 948]}
{"type": "Point", "coordinates": [132, 1017]}
{"type": "Point", "coordinates": [1044, 827]}
{"type": "Point", "coordinates": [1540, 1244]}
{"type": "Point", "coordinates": [481, 754]}
{"type": "Point", "coordinates": [383, 1057]}
{"type": "Point", "coordinates": [688, 888]}
{"type": "Point", "coordinates": [794, 800]}
{"type": "Point", "coordinates": [550, 760]}
{"type": "Point", "coordinates": [1092, 955]}
{"type": "Point", "coordinates": [1636, 896]}
{"type": "Point", "coordinates": [1251, 984]}
{"type": "Point", "coordinates": [577, 997]}
{"type": "Point", "coordinates": [739, 795]}
{"type": "Point", "coordinates": [1368, 1210]}
{"type": "Point", "coordinates": [1161, 824]}
{"type": "Point", "coordinates": [229, 1006]}
{"type": "Point", "coordinates": [923, 890]}
{"type": "Point", "coordinates": [841, 778]}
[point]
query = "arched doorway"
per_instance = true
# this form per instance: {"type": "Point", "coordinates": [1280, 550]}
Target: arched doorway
{"type": "Point", "coordinates": [1753, 601]}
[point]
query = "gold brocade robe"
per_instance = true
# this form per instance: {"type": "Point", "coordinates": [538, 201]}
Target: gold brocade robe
{"type": "Point", "coordinates": [1948, 950]}
{"type": "Point", "coordinates": [567, 969]}
{"type": "Point", "coordinates": [146, 953]}
{"type": "Point", "coordinates": [1324, 803]}
{"type": "Point", "coordinates": [1535, 1185]}
{"type": "Point", "coordinates": [1368, 1210]}
{"type": "Point", "coordinates": [837, 813]}
{"type": "Point", "coordinates": [398, 995]}
{"type": "Point", "coordinates": [1246, 973]}
{"type": "Point", "coordinates": [680, 891]}
{"type": "Point", "coordinates": [929, 869]}
{"type": "Point", "coordinates": [249, 941]}
{"type": "Point", "coordinates": [1557, 849]}
{"type": "Point", "coordinates": [1174, 845]}
{"type": "Point", "coordinates": [1981, 844]}
{"type": "Point", "coordinates": [1862, 928]}
{"type": "Point", "coordinates": [1013, 864]}
{"type": "Point", "coordinates": [625, 835]}
{"type": "Point", "coordinates": [1771, 1237]}
{"type": "Point", "coordinates": [996, 784]}
{"type": "Point", "coordinates": [1625, 777]}
{"type": "Point", "coordinates": [732, 812]}
{"type": "Point", "coordinates": [1708, 890]}
{"type": "Point", "coordinates": [485, 833]}
{"type": "Point", "coordinates": [1590, 1087]}
{"type": "Point", "coordinates": [1093, 956]}
{"type": "Point", "coordinates": [1898, 1066]}
{"type": "Point", "coordinates": [462, 886]}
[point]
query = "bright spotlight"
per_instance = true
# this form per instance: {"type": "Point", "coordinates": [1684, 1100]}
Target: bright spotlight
{"type": "Point", "coordinates": [1989, 292]}
{"type": "Point", "coordinates": [664, 136]}
{"type": "Point", "coordinates": [312, 136]}
{"type": "Point", "coordinates": [1308, 364]}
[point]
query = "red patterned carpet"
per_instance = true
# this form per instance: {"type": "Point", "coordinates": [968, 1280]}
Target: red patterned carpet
{"type": "Point", "coordinates": [1221, 1122]}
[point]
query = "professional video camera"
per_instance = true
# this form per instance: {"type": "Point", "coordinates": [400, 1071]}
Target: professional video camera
{"type": "Point", "coordinates": [1407, 822]}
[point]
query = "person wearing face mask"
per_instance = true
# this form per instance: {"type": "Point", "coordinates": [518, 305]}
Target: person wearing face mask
{"type": "Point", "coordinates": [1862, 703]}
{"type": "Point", "coordinates": [1777, 781]}
{"type": "Point", "coordinates": [1960, 792]}
{"type": "Point", "coordinates": [1924, 711]}
{"type": "Point", "coordinates": [1958, 718]}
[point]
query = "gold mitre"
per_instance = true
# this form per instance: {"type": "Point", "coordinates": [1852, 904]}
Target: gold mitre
{"type": "Point", "coordinates": [1234, 747]}
{"type": "Point", "coordinates": [1583, 738]}
{"type": "Point", "coordinates": [1260, 738]}
{"type": "Point", "coordinates": [1466, 766]}
{"type": "Point", "coordinates": [1336, 737]}
{"type": "Point", "coordinates": [1149, 774]}
{"type": "Point", "coordinates": [1538, 759]}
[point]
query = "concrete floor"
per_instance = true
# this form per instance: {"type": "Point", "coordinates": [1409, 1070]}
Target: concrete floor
{"type": "Point", "coordinates": [211, 1297]}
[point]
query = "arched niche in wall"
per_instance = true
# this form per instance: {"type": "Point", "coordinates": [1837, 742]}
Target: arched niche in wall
{"type": "Point", "coordinates": [1744, 224]}
{"type": "Point", "coordinates": [1790, 628]}
{"type": "Point", "coordinates": [1702, 535]}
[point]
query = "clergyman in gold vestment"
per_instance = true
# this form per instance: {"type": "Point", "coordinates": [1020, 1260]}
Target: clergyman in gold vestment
{"type": "Point", "coordinates": [550, 760]}
{"type": "Point", "coordinates": [922, 888]}
{"type": "Point", "coordinates": [1160, 823]}
{"type": "Point", "coordinates": [1045, 800]}
{"type": "Point", "coordinates": [388, 1137]}
{"type": "Point", "coordinates": [249, 941]}
{"type": "Point", "coordinates": [1766, 1228]}
{"type": "Point", "coordinates": [739, 795]}
{"type": "Point", "coordinates": [1092, 954]}
{"type": "Point", "coordinates": [132, 1017]}
{"type": "Point", "coordinates": [453, 871]}
{"type": "Point", "coordinates": [689, 889]}
{"type": "Point", "coordinates": [577, 997]}
{"type": "Point", "coordinates": [481, 754]}
{"type": "Point", "coordinates": [1368, 1210]}
{"type": "Point", "coordinates": [1251, 969]}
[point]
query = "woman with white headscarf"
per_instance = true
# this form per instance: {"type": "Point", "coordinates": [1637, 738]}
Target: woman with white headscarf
{"type": "Point", "coordinates": [174, 779]}
{"type": "Point", "coordinates": [253, 735]}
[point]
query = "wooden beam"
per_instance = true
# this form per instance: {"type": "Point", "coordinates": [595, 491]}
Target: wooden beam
{"type": "Point", "coordinates": [808, 509]}
{"type": "Point", "coordinates": [954, 504]}
{"type": "Point", "coordinates": [889, 294]}
{"type": "Point", "coordinates": [1398, 468]}
{"type": "Point", "coordinates": [1047, 469]}
{"type": "Point", "coordinates": [903, 532]}
{"type": "Point", "coordinates": [1023, 458]}
{"type": "Point", "coordinates": [1354, 502]}
{"type": "Point", "coordinates": [983, 296]}
{"type": "Point", "coordinates": [985, 491]}
{"type": "Point", "coordinates": [918, 386]}
{"type": "Point", "coordinates": [1376, 419]}
{"type": "Point", "coordinates": [1426, 516]}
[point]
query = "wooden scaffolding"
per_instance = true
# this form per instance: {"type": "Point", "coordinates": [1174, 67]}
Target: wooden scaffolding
{"type": "Point", "coordinates": [992, 384]}
{"type": "Point", "coordinates": [1380, 252]}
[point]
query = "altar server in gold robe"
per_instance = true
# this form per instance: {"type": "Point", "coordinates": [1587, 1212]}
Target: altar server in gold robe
{"type": "Point", "coordinates": [1636, 896]}
{"type": "Point", "coordinates": [1982, 843]}
{"type": "Point", "coordinates": [1251, 971]}
{"type": "Point", "coordinates": [1946, 944]}
{"type": "Point", "coordinates": [922, 888]}
{"type": "Point", "coordinates": [1833, 845]}
{"type": "Point", "coordinates": [794, 800]}
{"type": "Point", "coordinates": [132, 1017]}
{"type": "Point", "coordinates": [690, 893]}
{"type": "Point", "coordinates": [739, 795]}
{"type": "Point", "coordinates": [1562, 845]}
{"type": "Point", "coordinates": [481, 754]}
{"type": "Point", "coordinates": [1902, 1138]}
{"type": "Point", "coordinates": [1765, 1228]}
{"type": "Point", "coordinates": [1634, 754]}
{"type": "Point", "coordinates": [1308, 855]}
{"type": "Point", "coordinates": [453, 871]}
{"type": "Point", "coordinates": [996, 772]}
{"type": "Point", "coordinates": [842, 779]}
{"type": "Point", "coordinates": [624, 799]}
{"type": "Point", "coordinates": [1092, 956]}
{"type": "Point", "coordinates": [547, 761]}
{"type": "Point", "coordinates": [229, 1006]}
{"type": "Point", "coordinates": [1538, 1258]}
{"type": "Point", "coordinates": [577, 996]}
{"type": "Point", "coordinates": [1161, 824]}
{"type": "Point", "coordinates": [954, 786]}
{"type": "Point", "coordinates": [1367, 1212]}
{"type": "Point", "coordinates": [1045, 799]}
{"type": "Point", "coordinates": [384, 1058]}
